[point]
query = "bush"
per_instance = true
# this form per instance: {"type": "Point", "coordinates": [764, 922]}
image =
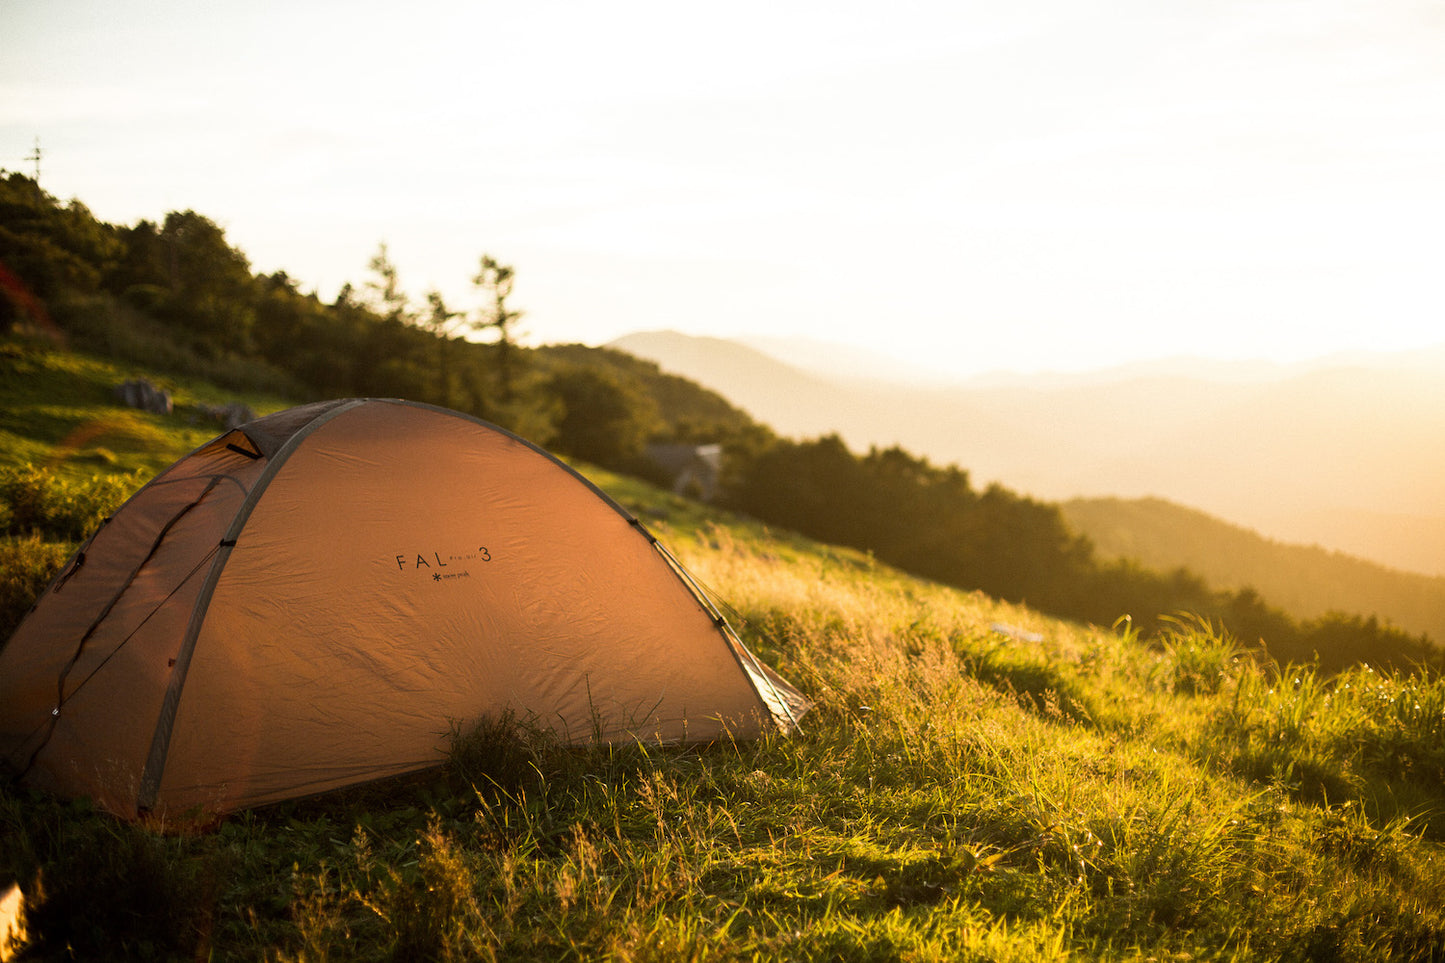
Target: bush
{"type": "Point", "coordinates": [27, 564]}
{"type": "Point", "coordinates": [34, 501]}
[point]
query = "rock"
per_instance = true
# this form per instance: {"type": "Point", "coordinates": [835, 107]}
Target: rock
{"type": "Point", "coordinates": [231, 415]}
{"type": "Point", "coordinates": [140, 393]}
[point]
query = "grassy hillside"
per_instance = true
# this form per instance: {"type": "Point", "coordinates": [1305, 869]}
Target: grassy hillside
{"type": "Point", "coordinates": [1305, 581]}
{"type": "Point", "coordinates": [974, 782]}
{"type": "Point", "coordinates": [57, 408]}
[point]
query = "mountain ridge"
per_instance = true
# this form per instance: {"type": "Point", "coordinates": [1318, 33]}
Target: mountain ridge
{"type": "Point", "coordinates": [841, 362]}
{"type": "Point", "coordinates": [1275, 455]}
{"type": "Point", "coordinates": [1306, 581]}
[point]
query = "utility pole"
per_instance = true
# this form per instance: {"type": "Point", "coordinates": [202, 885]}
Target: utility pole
{"type": "Point", "coordinates": [35, 156]}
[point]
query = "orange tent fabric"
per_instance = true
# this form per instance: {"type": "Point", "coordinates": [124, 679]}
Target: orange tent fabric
{"type": "Point", "coordinates": [314, 599]}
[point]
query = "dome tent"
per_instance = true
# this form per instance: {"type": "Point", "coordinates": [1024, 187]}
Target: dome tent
{"type": "Point", "coordinates": [312, 600]}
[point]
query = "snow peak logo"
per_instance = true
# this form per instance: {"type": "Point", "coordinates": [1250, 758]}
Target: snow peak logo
{"type": "Point", "coordinates": [439, 567]}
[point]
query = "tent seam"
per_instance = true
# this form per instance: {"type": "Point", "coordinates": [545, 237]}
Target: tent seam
{"type": "Point", "coordinates": [60, 697]}
{"type": "Point", "coordinates": [155, 762]}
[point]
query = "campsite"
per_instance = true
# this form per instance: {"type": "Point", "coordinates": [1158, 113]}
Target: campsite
{"type": "Point", "coordinates": [676, 482]}
{"type": "Point", "coordinates": [972, 780]}
{"type": "Point", "coordinates": [856, 710]}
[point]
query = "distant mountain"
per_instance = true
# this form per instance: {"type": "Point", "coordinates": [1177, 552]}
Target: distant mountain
{"type": "Point", "coordinates": [1283, 451]}
{"type": "Point", "coordinates": [786, 398]}
{"type": "Point", "coordinates": [1410, 542]}
{"type": "Point", "coordinates": [1306, 582]}
{"type": "Point", "coordinates": [839, 362]}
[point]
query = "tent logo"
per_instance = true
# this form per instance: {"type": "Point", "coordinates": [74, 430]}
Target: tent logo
{"type": "Point", "coordinates": [434, 562]}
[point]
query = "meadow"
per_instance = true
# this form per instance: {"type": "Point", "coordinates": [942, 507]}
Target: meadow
{"type": "Point", "coordinates": [974, 781]}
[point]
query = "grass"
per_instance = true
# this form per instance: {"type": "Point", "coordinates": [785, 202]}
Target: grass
{"type": "Point", "coordinates": [57, 411]}
{"type": "Point", "coordinates": [973, 782]}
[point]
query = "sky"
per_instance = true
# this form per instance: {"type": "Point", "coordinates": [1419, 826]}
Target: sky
{"type": "Point", "coordinates": [1026, 185]}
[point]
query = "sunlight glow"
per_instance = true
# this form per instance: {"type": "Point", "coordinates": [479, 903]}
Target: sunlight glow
{"type": "Point", "coordinates": [1032, 186]}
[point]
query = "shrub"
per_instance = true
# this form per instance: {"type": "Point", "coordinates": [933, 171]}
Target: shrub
{"type": "Point", "coordinates": [27, 564]}
{"type": "Point", "coordinates": [34, 501]}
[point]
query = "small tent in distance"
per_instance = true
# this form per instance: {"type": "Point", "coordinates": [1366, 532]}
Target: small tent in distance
{"type": "Point", "coordinates": [312, 601]}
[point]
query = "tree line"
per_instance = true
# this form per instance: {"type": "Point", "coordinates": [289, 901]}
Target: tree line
{"type": "Point", "coordinates": [930, 521]}
{"type": "Point", "coordinates": [176, 294]}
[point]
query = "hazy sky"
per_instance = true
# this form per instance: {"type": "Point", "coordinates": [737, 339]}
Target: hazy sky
{"type": "Point", "coordinates": [1030, 184]}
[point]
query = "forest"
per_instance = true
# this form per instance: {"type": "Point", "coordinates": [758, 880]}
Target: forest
{"type": "Point", "coordinates": [175, 295]}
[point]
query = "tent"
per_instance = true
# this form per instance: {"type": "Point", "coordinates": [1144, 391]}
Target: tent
{"type": "Point", "coordinates": [315, 599]}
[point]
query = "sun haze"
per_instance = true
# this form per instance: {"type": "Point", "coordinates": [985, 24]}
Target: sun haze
{"type": "Point", "coordinates": [1027, 186]}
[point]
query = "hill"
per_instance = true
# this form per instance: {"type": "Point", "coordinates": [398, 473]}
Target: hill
{"type": "Point", "coordinates": [1305, 581]}
{"type": "Point", "coordinates": [791, 401]}
{"type": "Point", "coordinates": [974, 781]}
{"type": "Point", "coordinates": [1293, 453]}
{"type": "Point", "coordinates": [58, 410]}
{"type": "Point", "coordinates": [177, 298]}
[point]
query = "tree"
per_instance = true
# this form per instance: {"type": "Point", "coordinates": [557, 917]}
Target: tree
{"type": "Point", "coordinates": [384, 293]}
{"type": "Point", "coordinates": [607, 420]}
{"type": "Point", "coordinates": [208, 283]}
{"type": "Point", "coordinates": [443, 323]}
{"type": "Point", "coordinates": [48, 252]}
{"type": "Point", "coordinates": [495, 280]}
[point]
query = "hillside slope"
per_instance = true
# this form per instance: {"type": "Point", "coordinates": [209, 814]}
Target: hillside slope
{"type": "Point", "coordinates": [973, 782]}
{"type": "Point", "coordinates": [1305, 581]}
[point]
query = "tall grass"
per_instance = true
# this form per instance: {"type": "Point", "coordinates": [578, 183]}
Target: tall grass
{"type": "Point", "coordinates": [1364, 735]}
{"type": "Point", "coordinates": [27, 564]}
{"type": "Point", "coordinates": [973, 782]}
